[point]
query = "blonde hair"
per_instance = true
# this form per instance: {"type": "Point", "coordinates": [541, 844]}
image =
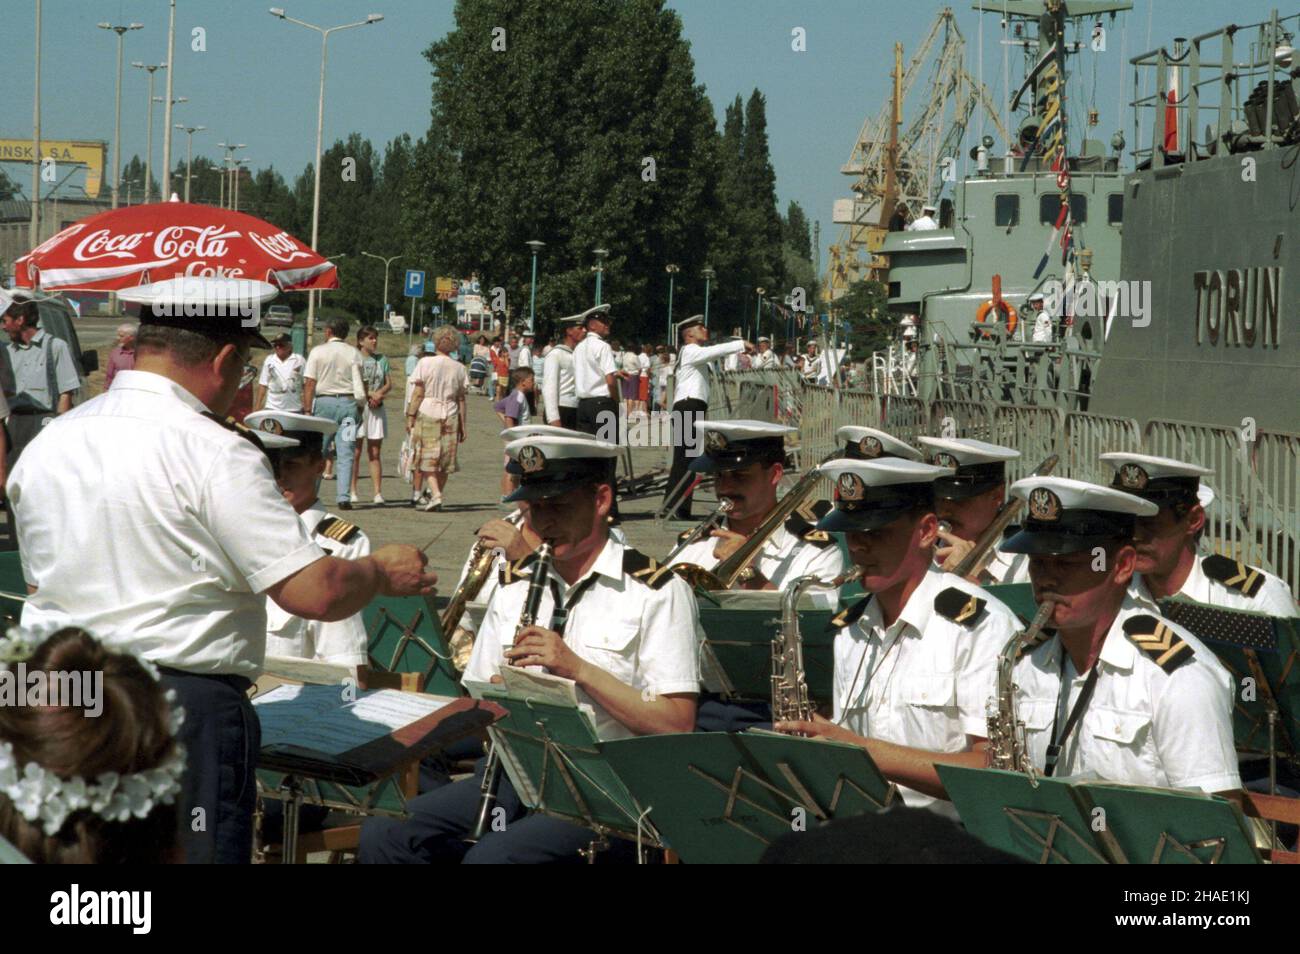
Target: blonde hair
{"type": "Point", "coordinates": [445, 332]}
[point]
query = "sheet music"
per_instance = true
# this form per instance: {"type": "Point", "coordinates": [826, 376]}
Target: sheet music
{"type": "Point", "coordinates": [539, 686]}
{"type": "Point", "coordinates": [321, 718]}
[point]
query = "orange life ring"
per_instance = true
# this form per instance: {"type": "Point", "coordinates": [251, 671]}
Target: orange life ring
{"type": "Point", "coordinates": [1010, 313]}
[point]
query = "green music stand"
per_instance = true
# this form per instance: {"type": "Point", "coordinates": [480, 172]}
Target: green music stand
{"type": "Point", "coordinates": [1019, 598]}
{"type": "Point", "coordinates": [738, 632]}
{"type": "Point", "coordinates": [1264, 648]}
{"type": "Point", "coordinates": [1042, 823]}
{"type": "Point", "coordinates": [403, 635]}
{"type": "Point", "coordinates": [722, 798]}
{"type": "Point", "coordinates": [1065, 821]}
{"type": "Point", "coordinates": [553, 758]}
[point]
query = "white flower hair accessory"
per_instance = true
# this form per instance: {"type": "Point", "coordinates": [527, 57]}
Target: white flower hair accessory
{"type": "Point", "coordinates": [47, 800]}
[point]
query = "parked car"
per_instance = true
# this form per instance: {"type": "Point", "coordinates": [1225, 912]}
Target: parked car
{"type": "Point", "coordinates": [281, 316]}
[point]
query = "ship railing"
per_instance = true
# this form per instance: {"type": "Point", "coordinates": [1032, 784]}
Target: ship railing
{"type": "Point", "coordinates": [1034, 431]}
{"type": "Point", "coordinates": [1230, 79]}
{"type": "Point", "coordinates": [1088, 436]}
{"type": "Point", "coordinates": [1255, 516]}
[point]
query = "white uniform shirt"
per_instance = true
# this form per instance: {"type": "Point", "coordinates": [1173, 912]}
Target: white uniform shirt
{"type": "Point", "coordinates": [524, 357]}
{"type": "Point", "coordinates": [155, 528]}
{"type": "Point", "coordinates": [283, 382]}
{"type": "Point", "coordinates": [925, 681]}
{"type": "Point", "coordinates": [558, 386]}
{"type": "Point", "coordinates": [1043, 328]}
{"type": "Point", "coordinates": [692, 368]}
{"type": "Point", "coordinates": [923, 223]}
{"type": "Point", "coordinates": [342, 642]}
{"type": "Point", "coordinates": [1008, 567]}
{"type": "Point", "coordinates": [592, 360]}
{"type": "Point", "coordinates": [641, 635]}
{"type": "Point", "coordinates": [1143, 726]}
{"type": "Point", "coordinates": [1273, 597]}
{"type": "Point", "coordinates": [643, 360]}
{"type": "Point", "coordinates": [783, 558]}
{"type": "Point", "coordinates": [764, 359]}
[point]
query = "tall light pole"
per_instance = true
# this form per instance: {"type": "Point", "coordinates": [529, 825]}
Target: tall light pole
{"type": "Point", "coordinates": [35, 237]}
{"type": "Point", "coordinates": [599, 268]}
{"type": "Point", "coordinates": [672, 271]}
{"type": "Point", "coordinates": [189, 153]}
{"type": "Point", "coordinates": [228, 194]}
{"type": "Point", "coordinates": [758, 312]}
{"type": "Point", "coordinates": [536, 246]}
{"type": "Point", "coordinates": [320, 129]}
{"type": "Point", "coordinates": [387, 262]}
{"type": "Point", "coordinates": [148, 157]}
{"type": "Point", "coordinates": [235, 164]}
{"type": "Point", "coordinates": [167, 113]}
{"type": "Point", "coordinates": [709, 275]}
{"type": "Point", "coordinates": [117, 108]}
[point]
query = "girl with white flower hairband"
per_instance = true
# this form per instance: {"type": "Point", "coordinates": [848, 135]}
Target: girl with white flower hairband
{"type": "Point", "coordinates": [76, 789]}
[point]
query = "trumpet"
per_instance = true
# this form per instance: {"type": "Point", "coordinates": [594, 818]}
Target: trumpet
{"type": "Point", "coordinates": [528, 617]}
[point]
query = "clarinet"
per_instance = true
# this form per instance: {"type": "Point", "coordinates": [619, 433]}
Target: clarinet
{"type": "Point", "coordinates": [492, 770]}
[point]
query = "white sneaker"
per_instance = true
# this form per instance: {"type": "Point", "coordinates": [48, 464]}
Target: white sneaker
{"type": "Point", "coordinates": [379, 499]}
{"type": "Point", "coordinates": [429, 506]}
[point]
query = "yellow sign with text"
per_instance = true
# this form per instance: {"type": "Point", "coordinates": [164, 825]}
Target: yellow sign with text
{"type": "Point", "coordinates": [445, 288]}
{"type": "Point", "coordinates": [88, 154]}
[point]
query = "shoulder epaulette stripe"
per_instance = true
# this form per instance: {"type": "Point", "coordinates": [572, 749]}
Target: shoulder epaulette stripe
{"type": "Point", "coordinates": [849, 615]}
{"type": "Point", "coordinates": [1233, 574]}
{"type": "Point", "coordinates": [645, 569]}
{"type": "Point", "coordinates": [335, 529]}
{"type": "Point", "coordinates": [959, 606]}
{"type": "Point", "coordinates": [1154, 637]}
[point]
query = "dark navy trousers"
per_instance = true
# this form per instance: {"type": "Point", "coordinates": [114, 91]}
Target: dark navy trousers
{"type": "Point", "coordinates": [440, 819]}
{"type": "Point", "coordinates": [222, 737]}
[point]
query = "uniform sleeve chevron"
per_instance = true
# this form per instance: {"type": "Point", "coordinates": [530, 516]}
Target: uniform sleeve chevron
{"type": "Point", "coordinates": [1233, 574]}
{"type": "Point", "coordinates": [333, 528]}
{"type": "Point", "coordinates": [849, 615]}
{"type": "Point", "coordinates": [1158, 641]}
{"type": "Point", "coordinates": [645, 569]}
{"type": "Point", "coordinates": [801, 523]}
{"type": "Point", "coordinates": [511, 572]}
{"type": "Point", "coordinates": [959, 606]}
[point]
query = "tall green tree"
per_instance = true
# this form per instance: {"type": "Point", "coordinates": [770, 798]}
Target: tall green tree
{"type": "Point", "coordinates": [7, 187]}
{"type": "Point", "coordinates": [796, 232]}
{"type": "Point", "coordinates": [583, 128]}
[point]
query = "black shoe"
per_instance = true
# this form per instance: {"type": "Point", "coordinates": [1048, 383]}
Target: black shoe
{"type": "Point", "coordinates": [345, 505]}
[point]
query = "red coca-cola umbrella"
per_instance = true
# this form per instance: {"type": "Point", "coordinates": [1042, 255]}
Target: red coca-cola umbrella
{"type": "Point", "coordinates": [141, 244]}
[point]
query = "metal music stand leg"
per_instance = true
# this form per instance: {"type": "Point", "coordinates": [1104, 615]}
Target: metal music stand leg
{"type": "Point", "coordinates": [292, 805]}
{"type": "Point", "coordinates": [1272, 769]}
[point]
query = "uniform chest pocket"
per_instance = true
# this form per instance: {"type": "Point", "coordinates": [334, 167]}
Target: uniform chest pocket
{"type": "Point", "coordinates": [612, 646]}
{"type": "Point", "coordinates": [935, 690]}
{"type": "Point", "coordinates": [1120, 727]}
{"type": "Point", "coordinates": [1036, 714]}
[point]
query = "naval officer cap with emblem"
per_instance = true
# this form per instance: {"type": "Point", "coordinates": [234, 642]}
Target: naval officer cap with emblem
{"type": "Point", "coordinates": [1064, 516]}
{"type": "Point", "coordinates": [1161, 480]}
{"type": "Point", "coordinates": [552, 466]}
{"type": "Point", "coordinates": [521, 431]}
{"type": "Point", "coordinates": [979, 466]}
{"type": "Point", "coordinates": [870, 494]}
{"type": "Point", "coordinates": [598, 312]}
{"type": "Point", "coordinates": [213, 307]}
{"type": "Point", "coordinates": [306, 431]}
{"type": "Point", "coordinates": [870, 443]}
{"type": "Point", "coordinates": [734, 445]}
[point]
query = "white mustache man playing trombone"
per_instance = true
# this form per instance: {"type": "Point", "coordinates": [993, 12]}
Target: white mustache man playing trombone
{"type": "Point", "coordinates": [615, 622]}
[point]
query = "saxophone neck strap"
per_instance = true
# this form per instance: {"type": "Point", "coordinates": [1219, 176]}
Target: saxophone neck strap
{"type": "Point", "coordinates": [1057, 746]}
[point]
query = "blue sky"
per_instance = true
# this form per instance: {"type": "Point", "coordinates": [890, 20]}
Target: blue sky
{"type": "Point", "coordinates": [257, 81]}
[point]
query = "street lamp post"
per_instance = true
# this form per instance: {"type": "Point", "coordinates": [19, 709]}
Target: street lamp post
{"type": "Point", "coordinates": [117, 108]}
{"type": "Point", "coordinates": [672, 271]}
{"type": "Point", "coordinates": [167, 111]}
{"type": "Point", "coordinates": [228, 195]}
{"type": "Point", "coordinates": [320, 129]}
{"type": "Point", "coordinates": [165, 194]}
{"type": "Point", "coordinates": [34, 236]}
{"type": "Point", "coordinates": [758, 313]}
{"type": "Point", "coordinates": [189, 153]}
{"type": "Point", "coordinates": [234, 205]}
{"type": "Point", "coordinates": [387, 262]}
{"type": "Point", "coordinates": [599, 268]}
{"type": "Point", "coordinates": [536, 246]}
{"type": "Point", "coordinates": [709, 275]}
{"type": "Point", "coordinates": [148, 158]}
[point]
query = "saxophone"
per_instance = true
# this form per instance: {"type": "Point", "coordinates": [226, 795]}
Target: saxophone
{"type": "Point", "coordinates": [528, 616]}
{"type": "Point", "coordinates": [461, 642]}
{"type": "Point", "coordinates": [790, 701]}
{"type": "Point", "coordinates": [1007, 748]}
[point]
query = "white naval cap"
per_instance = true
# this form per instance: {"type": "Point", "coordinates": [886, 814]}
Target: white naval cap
{"type": "Point", "coordinates": [1063, 515]}
{"type": "Point", "coordinates": [201, 304]}
{"type": "Point", "coordinates": [872, 493]}
{"type": "Point", "coordinates": [6, 300]}
{"type": "Point", "coordinates": [929, 207]}
{"type": "Point", "coordinates": [731, 445]}
{"type": "Point", "coordinates": [572, 319]}
{"type": "Point", "coordinates": [1037, 296]}
{"type": "Point", "coordinates": [690, 322]}
{"type": "Point", "coordinates": [599, 311]}
{"type": "Point", "coordinates": [764, 338]}
{"type": "Point", "coordinates": [287, 422]}
{"type": "Point", "coordinates": [551, 466]}
{"type": "Point", "coordinates": [536, 430]}
{"type": "Point", "coordinates": [1161, 480]}
{"type": "Point", "coordinates": [277, 441]}
{"type": "Point", "coordinates": [869, 443]}
{"type": "Point", "coordinates": [979, 465]}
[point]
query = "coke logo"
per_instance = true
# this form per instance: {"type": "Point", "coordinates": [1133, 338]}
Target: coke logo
{"type": "Point", "coordinates": [102, 243]}
{"type": "Point", "coordinates": [191, 241]}
{"type": "Point", "coordinates": [279, 246]}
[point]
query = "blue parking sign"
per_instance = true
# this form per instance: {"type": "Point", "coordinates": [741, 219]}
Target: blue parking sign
{"type": "Point", "coordinates": [414, 284]}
